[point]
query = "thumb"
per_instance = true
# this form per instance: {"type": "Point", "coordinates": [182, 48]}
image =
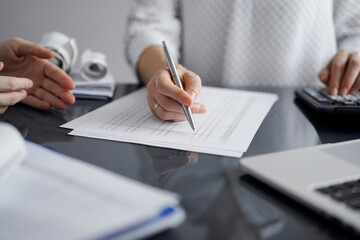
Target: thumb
{"type": "Point", "coordinates": [23, 47]}
{"type": "Point", "coordinates": [1, 66]}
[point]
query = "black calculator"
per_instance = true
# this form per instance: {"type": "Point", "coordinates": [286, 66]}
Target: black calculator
{"type": "Point", "coordinates": [321, 101]}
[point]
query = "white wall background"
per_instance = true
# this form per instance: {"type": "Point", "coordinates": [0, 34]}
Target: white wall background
{"type": "Point", "coordinates": [98, 25]}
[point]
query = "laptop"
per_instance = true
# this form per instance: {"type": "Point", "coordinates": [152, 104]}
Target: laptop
{"type": "Point", "coordinates": [324, 177]}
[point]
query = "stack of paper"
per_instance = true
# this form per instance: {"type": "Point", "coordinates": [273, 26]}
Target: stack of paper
{"type": "Point", "coordinates": [51, 196]}
{"type": "Point", "coordinates": [227, 128]}
{"type": "Point", "coordinates": [101, 89]}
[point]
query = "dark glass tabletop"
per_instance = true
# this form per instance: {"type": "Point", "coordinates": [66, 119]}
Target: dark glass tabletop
{"type": "Point", "coordinates": [221, 201]}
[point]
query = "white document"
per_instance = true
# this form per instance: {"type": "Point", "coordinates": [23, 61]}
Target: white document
{"type": "Point", "coordinates": [227, 128]}
{"type": "Point", "coordinates": [51, 196]}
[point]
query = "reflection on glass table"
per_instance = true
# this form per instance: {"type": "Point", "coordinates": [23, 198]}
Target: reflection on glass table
{"type": "Point", "coordinates": [168, 160]}
{"type": "Point", "coordinates": [216, 206]}
{"type": "Point", "coordinates": [331, 127]}
{"type": "Point", "coordinates": [35, 125]}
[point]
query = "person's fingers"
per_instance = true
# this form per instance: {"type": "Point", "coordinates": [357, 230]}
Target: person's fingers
{"type": "Point", "coordinates": [356, 85]}
{"type": "Point", "coordinates": [1, 66]}
{"type": "Point", "coordinates": [166, 115]}
{"type": "Point", "coordinates": [192, 83]}
{"type": "Point", "coordinates": [167, 103]}
{"type": "Point", "coordinates": [50, 98]}
{"type": "Point", "coordinates": [3, 109]}
{"type": "Point", "coordinates": [324, 74]}
{"type": "Point", "coordinates": [10, 98]}
{"type": "Point", "coordinates": [351, 73]}
{"type": "Point", "coordinates": [58, 75]}
{"type": "Point", "coordinates": [170, 105]}
{"type": "Point", "coordinates": [165, 98]}
{"type": "Point", "coordinates": [164, 85]}
{"type": "Point", "coordinates": [169, 116]}
{"type": "Point", "coordinates": [162, 113]}
{"type": "Point", "coordinates": [8, 84]}
{"type": "Point", "coordinates": [58, 91]}
{"type": "Point", "coordinates": [338, 65]}
{"type": "Point", "coordinates": [35, 102]}
{"type": "Point", "coordinates": [152, 103]}
{"type": "Point", "coordinates": [23, 47]}
{"type": "Point", "coordinates": [198, 108]}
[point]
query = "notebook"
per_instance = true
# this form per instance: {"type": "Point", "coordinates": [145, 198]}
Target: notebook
{"type": "Point", "coordinates": [52, 196]}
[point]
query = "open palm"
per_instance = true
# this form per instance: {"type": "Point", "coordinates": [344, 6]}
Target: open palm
{"type": "Point", "coordinates": [51, 85]}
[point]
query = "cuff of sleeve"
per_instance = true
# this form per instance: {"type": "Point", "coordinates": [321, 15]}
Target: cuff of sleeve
{"type": "Point", "coordinates": [350, 43]}
{"type": "Point", "coordinates": [145, 40]}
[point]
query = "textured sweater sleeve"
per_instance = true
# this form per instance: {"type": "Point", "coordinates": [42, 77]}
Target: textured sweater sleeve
{"type": "Point", "coordinates": [149, 23]}
{"type": "Point", "coordinates": [347, 24]}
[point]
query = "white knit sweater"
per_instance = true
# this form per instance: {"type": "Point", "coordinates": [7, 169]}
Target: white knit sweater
{"type": "Point", "coordinates": [247, 42]}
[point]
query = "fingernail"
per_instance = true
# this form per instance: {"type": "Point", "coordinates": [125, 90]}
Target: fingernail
{"type": "Point", "coordinates": [333, 91]}
{"type": "Point", "coordinates": [343, 91]}
{"type": "Point", "coordinates": [192, 95]}
{"type": "Point", "coordinates": [73, 99]}
{"type": "Point", "coordinates": [29, 84]}
{"type": "Point", "coordinates": [202, 109]}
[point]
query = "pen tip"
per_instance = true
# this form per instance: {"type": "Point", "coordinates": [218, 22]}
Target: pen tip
{"type": "Point", "coordinates": [163, 43]}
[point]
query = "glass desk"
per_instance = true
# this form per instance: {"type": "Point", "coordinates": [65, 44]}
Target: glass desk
{"type": "Point", "coordinates": [221, 202]}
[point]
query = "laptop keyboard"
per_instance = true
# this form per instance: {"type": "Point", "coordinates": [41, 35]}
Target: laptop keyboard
{"type": "Point", "coordinates": [347, 193]}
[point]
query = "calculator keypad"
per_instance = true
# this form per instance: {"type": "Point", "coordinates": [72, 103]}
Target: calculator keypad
{"type": "Point", "coordinates": [322, 101]}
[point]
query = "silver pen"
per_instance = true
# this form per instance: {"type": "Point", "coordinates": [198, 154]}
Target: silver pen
{"type": "Point", "coordinates": [176, 78]}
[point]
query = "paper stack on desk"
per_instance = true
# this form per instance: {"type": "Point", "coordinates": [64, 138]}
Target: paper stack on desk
{"type": "Point", "coordinates": [227, 128]}
{"type": "Point", "coordinates": [101, 89]}
{"type": "Point", "coordinates": [51, 196]}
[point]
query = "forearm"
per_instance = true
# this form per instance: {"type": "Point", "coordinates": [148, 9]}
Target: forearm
{"type": "Point", "coordinates": [151, 61]}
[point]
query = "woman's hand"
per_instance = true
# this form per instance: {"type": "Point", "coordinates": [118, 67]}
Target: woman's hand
{"type": "Point", "coordinates": [342, 74]}
{"type": "Point", "coordinates": [165, 98]}
{"type": "Point", "coordinates": [12, 90]}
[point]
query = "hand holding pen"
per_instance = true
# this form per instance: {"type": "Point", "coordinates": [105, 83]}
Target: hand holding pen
{"type": "Point", "coordinates": [175, 77]}
{"type": "Point", "coordinates": [165, 99]}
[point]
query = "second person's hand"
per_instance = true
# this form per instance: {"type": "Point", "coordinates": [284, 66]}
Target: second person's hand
{"type": "Point", "coordinates": [165, 98]}
{"type": "Point", "coordinates": [51, 85]}
{"type": "Point", "coordinates": [12, 90]}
